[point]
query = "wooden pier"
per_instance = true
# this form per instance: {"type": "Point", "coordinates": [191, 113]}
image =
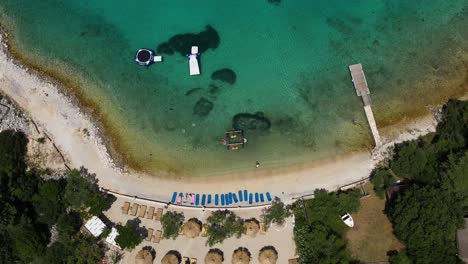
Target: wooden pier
{"type": "Point", "coordinates": [362, 90]}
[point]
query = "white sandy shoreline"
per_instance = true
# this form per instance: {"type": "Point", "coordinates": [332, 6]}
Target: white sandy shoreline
{"type": "Point", "coordinates": [65, 122]}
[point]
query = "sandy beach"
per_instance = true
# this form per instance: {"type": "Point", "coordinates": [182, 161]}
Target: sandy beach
{"type": "Point", "coordinates": [78, 138]}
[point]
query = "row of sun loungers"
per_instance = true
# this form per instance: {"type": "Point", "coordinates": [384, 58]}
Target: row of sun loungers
{"type": "Point", "coordinates": [133, 210]}
{"type": "Point", "coordinates": [225, 199]}
{"type": "Point", "coordinates": [156, 237]}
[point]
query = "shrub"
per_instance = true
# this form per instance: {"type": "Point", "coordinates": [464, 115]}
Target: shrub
{"type": "Point", "coordinates": [171, 223]}
{"type": "Point", "coordinates": [223, 224]}
{"type": "Point", "coordinates": [277, 212]}
{"type": "Point", "coordinates": [127, 238]}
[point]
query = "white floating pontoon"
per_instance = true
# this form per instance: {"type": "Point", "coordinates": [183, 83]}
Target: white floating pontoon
{"type": "Point", "coordinates": [157, 58]}
{"type": "Point", "coordinates": [193, 61]}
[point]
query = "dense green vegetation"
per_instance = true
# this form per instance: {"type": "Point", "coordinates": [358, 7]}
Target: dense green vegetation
{"type": "Point", "coordinates": [223, 224]}
{"type": "Point", "coordinates": [277, 212]}
{"type": "Point", "coordinates": [171, 223]}
{"type": "Point", "coordinates": [128, 237]}
{"type": "Point", "coordinates": [319, 231]}
{"type": "Point", "coordinates": [30, 207]}
{"type": "Point", "coordinates": [426, 215]}
{"type": "Point", "coordinates": [426, 219]}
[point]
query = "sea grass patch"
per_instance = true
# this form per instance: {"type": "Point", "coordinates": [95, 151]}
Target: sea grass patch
{"type": "Point", "coordinates": [225, 75]}
{"type": "Point", "coordinates": [203, 107]}
{"type": "Point", "coordinates": [247, 121]}
{"type": "Point", "coordinates": [181, 43]}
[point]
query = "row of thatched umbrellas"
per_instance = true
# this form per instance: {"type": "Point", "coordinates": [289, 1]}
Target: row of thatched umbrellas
{"type": "Point", "coordinates": [267, 255]}
{"type": "Point", "coordinates": [193, 227]}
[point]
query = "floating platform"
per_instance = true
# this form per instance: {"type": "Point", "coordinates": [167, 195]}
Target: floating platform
{"type": "Point", "coordinates": [234, 139]}
{"type": "Point", "coordinates": [193, 61]}
{"type": "Point", "coordinates": [146, 57]}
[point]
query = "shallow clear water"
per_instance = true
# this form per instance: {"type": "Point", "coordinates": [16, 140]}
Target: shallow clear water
{"type": "Point", "coordinates": [290, 60]}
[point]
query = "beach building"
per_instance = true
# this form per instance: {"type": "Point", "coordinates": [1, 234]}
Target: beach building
{"type": "Point", "coordinates": [111, 238]}
{"type": "Point", "coordinates": [95, 226]}
{"type": "Point", "coordinates": [462, 242]}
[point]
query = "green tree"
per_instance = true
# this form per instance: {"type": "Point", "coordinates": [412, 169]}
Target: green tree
{"type": "Point", "coordinates": [128, 237]}
{"type": "Point", "coordinates": [277, 212]}
{"type": "Point", "coordinates": [171, 223]}
{"type": "Point", "coordinates": [319, 244]}
{"type": "Point", "coordinates": [399, 258]}
{"type": "Point", "coordinates": [68, 224]}
{"type": "Point", "coordinates": [82, 192]}
{"type": "Point", "coordinates": [426, 220]}
{"type": "Point", "coordinates": [381, 179]}
{"type": "Point", "coordinates": [79, 249]}
{"type": "Point", "coordinates": [458, 175]}
{"type": "Point", "coordinates": [48, 202]}
{"type": "Point", "coordinates": [27, 242]}
{"type": "Point", "coordinates": [223, 224]}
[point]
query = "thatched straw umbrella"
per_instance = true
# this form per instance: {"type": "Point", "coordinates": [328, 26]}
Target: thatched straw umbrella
{"type": "Point", "coordinates": [144, 257]}
{"type": "Point", "coordinates": [214, 256]}
{"type": "Point", "coordinates": [268, 255]}
{"type": "Point", "coordinates": [192, 228]}
{"type": "Point", "coordinates": [171, 258]}
{"type": "Point", "coordinates": [252, 226]}
{"type": "Point", "coordinates": [241, 256]}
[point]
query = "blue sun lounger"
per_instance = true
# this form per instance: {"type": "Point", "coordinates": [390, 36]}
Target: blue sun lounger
{"type": "Point", "coordinates": [256, 197]}
{"type": "Point", "coordinates": [246, 196]}
{"type": "Point", "coordinates": [250, 198]}
{"type": "Point", "coordinates": [174, 197]}
{"type": "Point", "coordinates": [240, 195]}
{"type": "Point", "coordinates": [209, 199]}
{"type": "Point", "coordinates": [234, 197]}
{"type": "Point", "coordinates": [216, 199]}
{"type": "Point", "coordinates": [230, 197]}
{"type": "Point", "coordinates": [197, 199]}
{"type": "Point", "coordinates": [222, 199]}
{"type": "Point", "coordinates": [268, 196]}
{"type": "Point", "coordinates": [261, 198]}
{"type": "Point", "coordinates": [203, 199]}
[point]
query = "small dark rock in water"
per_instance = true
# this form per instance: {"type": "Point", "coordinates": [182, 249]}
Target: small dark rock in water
{"type": "Point", "coordinates": [275, 2]}
{"type": "Point", "coordinates": [203, 107]}
{"type": "Point", "coordinates": [225, 75]}
{"type": "Point", "coordinates": [191, 91]}
{"type": "Point", "coordinates": [247, 121]}
{"type": "Point", "coordinates": [181, 43]}
{"type": "Point", "coordinates": [214, 89]}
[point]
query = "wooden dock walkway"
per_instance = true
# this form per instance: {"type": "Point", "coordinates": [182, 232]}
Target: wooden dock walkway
{"type": "Point", "coordinates": [362, 90]}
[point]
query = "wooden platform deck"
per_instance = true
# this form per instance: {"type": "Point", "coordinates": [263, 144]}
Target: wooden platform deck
{"type": "Point", "coordinates": [359, 79]}
{"type": "Point", "coordinates": [362, 90]}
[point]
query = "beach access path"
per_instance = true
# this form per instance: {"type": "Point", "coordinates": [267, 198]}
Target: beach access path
{"type": "Point", "coordinates": [64, 122]}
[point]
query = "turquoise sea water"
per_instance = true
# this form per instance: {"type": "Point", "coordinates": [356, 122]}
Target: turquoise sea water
{"type": "Point", "coordinates": [291, 64]}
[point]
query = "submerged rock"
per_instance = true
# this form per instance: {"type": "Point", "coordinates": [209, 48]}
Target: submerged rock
{"type": "Point", "coordinates": [214, 89]}
{"type": "Point", "coordinates": [247, 121]}
{"type": "Point", "coordinates": [191, 91]}
{"type": "Point", "coordinates": [225, 75]}
{"type": "Point", "coordinates": [203, 107]}
{"type": "Point", "coordinates": [274, 2]}
{"type": "Point", "coordinates": [181, 43]}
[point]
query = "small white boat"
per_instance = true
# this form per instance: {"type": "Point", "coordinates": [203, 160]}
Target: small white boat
{"type": "Point", "coordinates": [347, 219]}
{"type": "Point", "coordinates": [193, 61]}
